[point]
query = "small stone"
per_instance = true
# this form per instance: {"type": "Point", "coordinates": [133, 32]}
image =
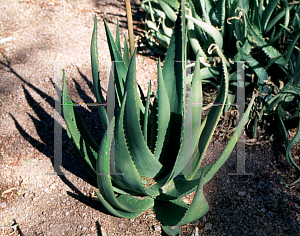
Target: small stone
{"type": "Point", "coordinates": [67, 213]}
{"type": "Point", "coordinates": [208, 226]}
{"type": "Point", "coordinates": [52, 186]}
{"type": "Point", "coordinates": [121, 225]}
{"type": "Point", "coordinates": [242, 193]}
{"type": "Point", "coordinates": [151, 215]}
{"type": "Point", "coordinates": [195, 231]}
{"type": "Point", "coordinates": [263, 210]}
{"type": "Point", "coordinates": [157, 228]}
{"type": "Point", "coordinates": [2, 204]}
{"type": "Point", "coordinates": [203, 218]}
{"type": "Point", "coordinates": [84, 228]}
{"type": "Point", "coordinates": [131, 220]}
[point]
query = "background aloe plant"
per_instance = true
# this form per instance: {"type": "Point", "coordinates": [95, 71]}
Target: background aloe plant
{"type": "Point", "coordinates": [150, 141]}
{"type": "Point", "coordinates": [264, 34]}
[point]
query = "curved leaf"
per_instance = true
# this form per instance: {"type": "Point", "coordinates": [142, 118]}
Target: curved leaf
{"type": "Point", "coordinates": [163, 113]}
{"type": "Point", "coordinates": [212, 31]}
{"type": "Point", "coordinates": [176, 212]}
{"type": "Point", "coordinates": [146, 163]}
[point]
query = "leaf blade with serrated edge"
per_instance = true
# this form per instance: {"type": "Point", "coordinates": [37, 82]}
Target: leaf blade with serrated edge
{"type": "Point", "coordinates": [146, 163]}
{"type": "Point", "coordinates": [163, 113]}
{"type": "Point", "coordinates": [176, 212]}
{"type": "Point", "coordinates": [83, 143]}
{"type": "Point", "coordinates": [128, 204]}
{"type": "Point", "coordinates": [131, 179]}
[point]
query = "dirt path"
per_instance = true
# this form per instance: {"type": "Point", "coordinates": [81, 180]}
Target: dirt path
{"type": "Point", "coordinates": [51, 34]}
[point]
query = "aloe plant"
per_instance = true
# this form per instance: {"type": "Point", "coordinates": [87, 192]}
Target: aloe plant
{"type": "Point", "coordinates": [249, 31]}
{"type": "Point", "coordinates": [158, 148]}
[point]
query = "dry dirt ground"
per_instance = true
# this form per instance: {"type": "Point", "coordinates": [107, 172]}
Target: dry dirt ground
{"type": "Point", "coordinates": [34, 200]}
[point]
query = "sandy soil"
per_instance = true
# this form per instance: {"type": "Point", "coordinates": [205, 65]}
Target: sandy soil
{"type": "Point", "coordinates": [53, 34]}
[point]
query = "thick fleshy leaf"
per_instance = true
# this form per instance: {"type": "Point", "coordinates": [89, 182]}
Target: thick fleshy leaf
{"type": "Point", "coordinates": [180, 187]}
{"type": "Point", "coordinates": [131, 179]}
{"type": "Point", "coordinates": [209, 124]}
{"type": "Point", "coordinates": [117, 42]}
{"type": "Point", "coordinates": [96, 79]}
{"type": "Point", "coordinates": [127, 203]}
{"type": "Point", "coordinates": [172, 70]}
{"type": "Point", "coordinates": [167, 10]}
{"type": "Point", "coordinates": [231, 144]}
{"type": "Point", "coordinates": [83, 143]}
{"type": "Point", "coordinates": [193, 39]}
{"type": "Point", "coordinates": [204, 12]}
{"type": "Point", "coordinates": [146, 163]}
{"type": "Point", "coordinates": [145, 125]}
{"type": "Point", "coordinates": [289, 146]}
{"type": "Point", "coordinates": [267, 13]}
{"type": "Point", "coordinates": [261, 73]}
{"type": "Point", "coordinates": [163, 113]}
{"type": "Point", "coordinates": [268, 49]}
{"type": "Point", "coordinates": [126, 57]}
{"type": "Point", "coordinates": [171, 230]}
{"type": "Point", "coordinates": [277, 18]}
{"type": "Point", "coordinates": [197, 100]}
{"type": "Point", "coordinates": [119, 64]}
{"type": "Point", "coordinates": [176, 212]}
{"type": "Point", "coordinates": [116, 212]}
{"type": "Point", "coordinates": [212, 31]}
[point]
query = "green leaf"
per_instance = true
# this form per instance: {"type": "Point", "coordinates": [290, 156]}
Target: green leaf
{"type": "Point", "coordinates": [168, 10]}
{"type": "Point", "coordinates": [231, 144]}
{"type": "Point", "coordinates": [131, 179]}
{"type": "Point", "coordinates": [96, 79]}
{"type": "Point", "coordinates": [212, 31]}
{"type": "Point", "coordinates": [289, 146]}
{"type": "Point", "coordinates": [83, 143]}
{"type": "Point", "coordinates": [291, 47]}
{"type": "Point", "coordinates": [255, 66]}
{"type": "Point", "coordinates": [180, 187]}
{"type": "Point", "coordinates": [145, 125]}
{"type": "Point", "coordinates": [146, 163]}
{"type": "Point", "coordinates": [119, 64]}
{"type": "Point", "coordinates": [207, 128]}
{"type": "Point", "coordinates": [176, 212]}
{"type": "Point", "coordinates": [277, 18]}
{"type": "Point", "coordinates": [163, 113]}
{"type": "Point", "coordinates": [269, 50]}
{"type": "Point", "coordinates": [114, 211]}
{"type": "Point", "coordinates": [171, 230]}
{"type": "Point", "coordinates": [118, 37]}
{"type": "Point", "coordinates": [193, 39]}
{"type": "Point", "coordinates": [267, 13]}
{"type": "Point", "coordinates": [126, 57]}
{"type": "Point", "coordinates": [204, 12]}
{"type": "Point", "coordinates": [123, 204]}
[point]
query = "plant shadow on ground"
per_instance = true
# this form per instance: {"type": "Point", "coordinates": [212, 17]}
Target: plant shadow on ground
{"type": "Point", "coordinates": [45, 129]}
